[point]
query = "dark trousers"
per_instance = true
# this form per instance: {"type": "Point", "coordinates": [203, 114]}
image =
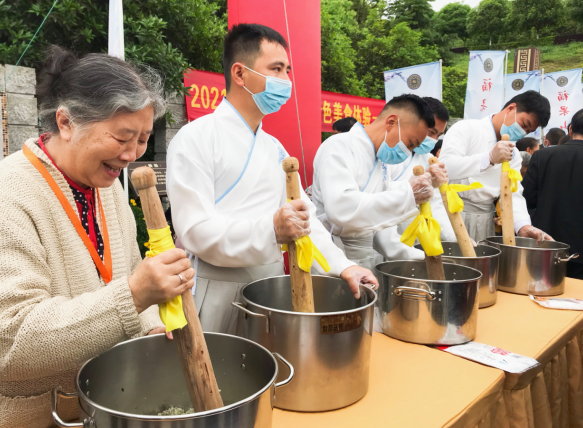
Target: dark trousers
{"type": "Point", "coordinates": [575, 270]}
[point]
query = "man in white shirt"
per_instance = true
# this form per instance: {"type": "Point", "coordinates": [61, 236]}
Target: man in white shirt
{"type": "Point", "coordinates": [388, 241]}
{"type": "Point", "coordinates": [227, 187]}
{"type": "Point", "coordinates": [472, 151]}
{"type": "Point", "coordinates": [352, 189]}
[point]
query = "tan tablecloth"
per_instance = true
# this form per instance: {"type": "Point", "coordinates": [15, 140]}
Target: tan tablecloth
{"type": "Point", "coordinates": [414, 386]}
{"type": "Point", "coordinates": [417, 386]}
{"type": "Point", "coordinates": [550, 395]}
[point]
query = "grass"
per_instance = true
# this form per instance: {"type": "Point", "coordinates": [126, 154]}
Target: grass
{"type": "Point", "coordinates": [553, 58]}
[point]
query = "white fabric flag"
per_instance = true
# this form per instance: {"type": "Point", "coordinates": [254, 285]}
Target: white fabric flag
{"type": "Point", "coordinates": [563, 90]}
{"type": "Point", "coordinates": [115, 35]}
{"type": "Point", "coordinates": [115, 47]}
{"type": "Point", "coordinates": [485, 89]}
{"type": "Point", "coordinates": [517, 83]}
{"type": "Point", "coordinates": [423, 80]}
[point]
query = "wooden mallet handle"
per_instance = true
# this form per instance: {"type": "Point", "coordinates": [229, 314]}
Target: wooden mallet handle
{"type": "Point", "coordinates": [192, 350]}
{"type": "Point", "coordinates": [506, 205]}
{"type": "Point", "coordinates": [434, 263]}
{"type": "Point", "coordinates": [301, 282]}
{"type": "Point", "coordinates": [457, 222]}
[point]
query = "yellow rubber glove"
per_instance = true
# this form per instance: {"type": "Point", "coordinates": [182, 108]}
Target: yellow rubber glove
{"type": "Point", "coordinates": [426, 229]}
{"type": "Point", "coordinates": [455, 204]}
{"type": "Point", "coordinates": [171, 312]}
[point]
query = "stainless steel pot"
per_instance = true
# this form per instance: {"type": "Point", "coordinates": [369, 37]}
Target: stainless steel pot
{"type": "Point", "coordinates": [414, 309]}
{"type": "Point", "coordinates": [486, 261]}
{"type": "Point", "coordinates": [330, 349]}
{"type": "Point", "coordinates": [131, 383]}
{"type": "Point", "coordinates": [528, 268]}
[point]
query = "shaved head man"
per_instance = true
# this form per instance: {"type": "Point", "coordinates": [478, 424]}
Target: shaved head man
{"type": "Point", "coordinates": [352, 189]}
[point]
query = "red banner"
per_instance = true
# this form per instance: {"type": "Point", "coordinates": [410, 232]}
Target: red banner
{"type": "Point", "coordinates": [337, 106]}
{"type": "Point", "coordinates": [206, 91]}
{"type": "Point", "coordinates": [298, 21]}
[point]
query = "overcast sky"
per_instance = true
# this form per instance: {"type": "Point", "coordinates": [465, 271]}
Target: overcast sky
{"type": "Point", "coordinates": [438, 4]}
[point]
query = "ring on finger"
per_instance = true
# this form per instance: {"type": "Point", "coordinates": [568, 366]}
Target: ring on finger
{"type": "Point", "coordinates": [181, 278]}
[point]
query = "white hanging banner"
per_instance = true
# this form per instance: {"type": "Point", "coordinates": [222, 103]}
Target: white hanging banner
{"type": "Point", "coordinates": [115, 34]}
{"type": "Point", "coordinates": [517, 83]}
{"type": "Point", "coordinates": [485, 88]}
{"type": "Point", "coordinates": [423, 80]}
{"type": "Point", "coordinates": [563, 89]}
{"type": "Point", "coordinates": [115, 47]}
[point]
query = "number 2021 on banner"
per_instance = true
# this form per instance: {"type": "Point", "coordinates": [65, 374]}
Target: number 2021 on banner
{"type": "Point", "coordinates": [204, 98]}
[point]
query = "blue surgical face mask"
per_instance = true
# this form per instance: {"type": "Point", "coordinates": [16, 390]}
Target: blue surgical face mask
{"type": "Point", "coordinates": [277, 92]}
{"type": "Point", "coordinates": [426, 146]}
{"type": "Point", "coordinates": [514, 131]}
{"type": "Point", "coordinates": [393, 155]}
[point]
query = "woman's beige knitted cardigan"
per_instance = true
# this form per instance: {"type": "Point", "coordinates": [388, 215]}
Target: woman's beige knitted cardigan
{"type": "Point", "coordinates": [55, 311]}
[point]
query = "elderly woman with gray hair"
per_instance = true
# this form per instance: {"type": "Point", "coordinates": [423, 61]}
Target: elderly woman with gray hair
{"type": "Point", "coordinates": [525, 161]}
{"type": "Point", "coordinates": [72, 282]}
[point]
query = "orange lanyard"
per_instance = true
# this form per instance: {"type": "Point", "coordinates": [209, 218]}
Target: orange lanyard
{"type": "Point", "coordinates": [105, 269]}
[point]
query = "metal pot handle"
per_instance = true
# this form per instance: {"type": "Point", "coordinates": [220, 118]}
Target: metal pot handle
{"type": "Point", "coordinates": [242, 307]}
{"type": "Point", "coordinates": [572, 256]}
{"type": "Point", "coordinates": [55, 393]}
{"type": "Point", "coordinates": [414, 293]}
{"type": "Point", "coordinates": [289, 366]}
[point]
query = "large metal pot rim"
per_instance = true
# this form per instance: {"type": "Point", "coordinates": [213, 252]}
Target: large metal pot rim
{"type": "Point", "coordinates": [180, 417]}
{"type": "Point", "coordinates": [307, 314]}
{"type": "Point", "coordinates": [469, 258]}
{"type": "Point", "coordinates": [566, 246]}
{"type": "Point", "coordinates": [438, 281]}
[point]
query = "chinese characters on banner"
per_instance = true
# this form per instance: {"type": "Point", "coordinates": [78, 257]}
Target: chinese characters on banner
{"type": "Point", "coordinates": [423, 80]}
{"type": "Point", "coordinates": [337, 106]}
{"type": "Point", "coordinates": [485, 90]}
{"type": "Point", "coordinates": [563, 90]}
{"type": "Point", "coordinates": [206, 91]}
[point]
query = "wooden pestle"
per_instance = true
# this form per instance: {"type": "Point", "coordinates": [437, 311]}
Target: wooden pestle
{"type": "Point", "coordinates": [192, 350]}
{"type": "Point", "coordinates": [506, 205]}
{"type": "Point", "coordinates": [457, 222]}
{"type": "Point", "coordinates": [301, 281]}
{"type": "Point", "coordinates": [434, 263]}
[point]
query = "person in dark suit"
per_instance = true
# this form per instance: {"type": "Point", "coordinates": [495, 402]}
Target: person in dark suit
{"type": "Point", "coordinates": [553, 185]}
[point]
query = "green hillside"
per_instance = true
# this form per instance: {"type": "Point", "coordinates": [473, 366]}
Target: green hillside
{"type": "Point", "coordinates": [553, 58]}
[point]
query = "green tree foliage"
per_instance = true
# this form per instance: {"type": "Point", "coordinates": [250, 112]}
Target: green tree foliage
{"type": "Point", "coordinates": [574, 11]}
{"type": "Point", "coordinates": [454, 90]}
{"type": "Point", "coordinates": [451, 20]}
{"type": "Point", "coordinates": [401, 48]}
{"type": "Point", "coordinates": [169, 35]}
{"type": "Point", "coordinates": [339, 29]}
{"type": "Point", "coordinates": [486, 23]}
{"type": "Point", "coordinates": [416, 13]}
{"type": "Point", "coordinates": [360, 41]}
{"type": "Point", "coordinates": [545, 16]}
